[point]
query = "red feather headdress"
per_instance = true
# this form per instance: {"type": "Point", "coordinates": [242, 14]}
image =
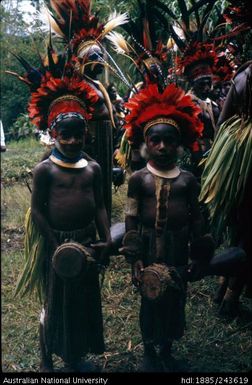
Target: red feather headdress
{"type": "Point", "coordinates": [197, 41]}
{"type": "Point", "coordinates": [56, 88]}
{"type": "Point", "coordinates": [172, 104]}
{"type": "Point", "coordinates": [196, 51]}
{"type": "Point", "coordinates": [197, 59]}
{"type": "Point", "coordinates": [69, 94]}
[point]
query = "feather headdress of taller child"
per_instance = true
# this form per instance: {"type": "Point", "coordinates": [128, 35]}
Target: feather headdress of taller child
{"type": "Point", "coordinates": [55, 81]}
{"type": "Point", "coordinates": [73, 21]}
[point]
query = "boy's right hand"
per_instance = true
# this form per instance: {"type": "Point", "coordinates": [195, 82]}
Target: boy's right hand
{"type": "Point", "coordinates": [136, 271]}
{"type": "Point", "coordinates": [132, 246]}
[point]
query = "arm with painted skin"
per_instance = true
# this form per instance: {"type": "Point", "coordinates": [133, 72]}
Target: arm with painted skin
{"type": "Point", "coordinates": [133, 247]}
{"type": "Point", "coordinates": [39, 201]}
{"type": "Point", "coordinates": [132, 209]}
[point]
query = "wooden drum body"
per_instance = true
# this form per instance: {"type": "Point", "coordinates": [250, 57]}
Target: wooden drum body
{"type": "Point", "coordinates": [156, 280]}
{"type": "Point", "coordinates": [69, 260]}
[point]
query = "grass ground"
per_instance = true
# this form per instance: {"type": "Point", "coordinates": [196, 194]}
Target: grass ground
{"type": "Point", "coordinates": [210, 343]}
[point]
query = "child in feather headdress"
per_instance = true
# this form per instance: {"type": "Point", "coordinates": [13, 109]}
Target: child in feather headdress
{"type": "Point", "coordinates": [162, 210]}
{"type": "Point", "coordinates": [67, 208]}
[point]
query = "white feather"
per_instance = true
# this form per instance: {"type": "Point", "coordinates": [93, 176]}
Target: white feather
{"type": "Point", "coordinates": [114, 21]}
{"type": "Point", "coordinates": [119, 43]}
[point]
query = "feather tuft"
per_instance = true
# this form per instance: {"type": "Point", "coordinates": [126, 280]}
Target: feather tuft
{"type": "Point", "coordinates": [120, 44]}
{"type": "Point", "coordinates": [115, 20]}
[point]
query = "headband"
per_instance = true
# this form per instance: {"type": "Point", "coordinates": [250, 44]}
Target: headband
{"type": "Point", "coordinates": [161, 120]}
{"type": "Point", "coordinates": [63, 116]}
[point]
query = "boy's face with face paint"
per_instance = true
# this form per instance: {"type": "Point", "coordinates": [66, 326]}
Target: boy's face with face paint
{"type": "Point", "coordinates": [70, 137]}
{"type": "Point", "coordinates": [162, 141]}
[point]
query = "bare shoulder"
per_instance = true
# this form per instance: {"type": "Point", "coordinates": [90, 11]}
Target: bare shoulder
{"type": "Point", "coordinates": [43, 167]}
{"type": "Point", "coordinates": [138, 176]}
{"type": "Point", "coordinates": [187, 174]}
{"type": "Point", "coordinates": [94, 167]}
{"type": "Point", "coordinates": [136, 183]}
{"type": "Point", "coordinates": [188, 177]}
{"type": "Point", "coordinates": [191, 182]}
